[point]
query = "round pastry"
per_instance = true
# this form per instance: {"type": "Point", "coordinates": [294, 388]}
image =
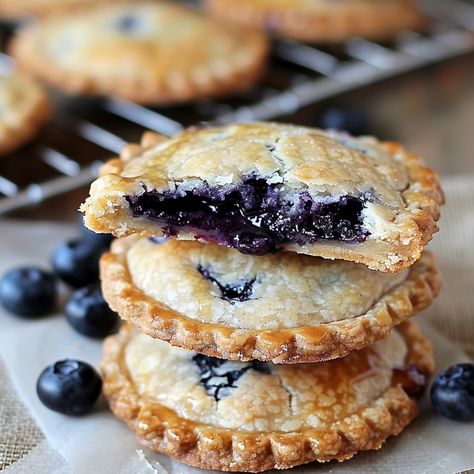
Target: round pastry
{"type": "Point", "coordinates": [20, 8]}
{"type": "Point", "coordinates": [150, 52]}
{"type": "Point", "coordinates": [24, 107]}
{"type": "Point", "coordinates": [285, 308]}
{"type": "Point", "coordinates": [236, 416]}
{"type": "Point", "coordinates": [322, 21]}
{"type": "Point", "coordinates": [261, 187]}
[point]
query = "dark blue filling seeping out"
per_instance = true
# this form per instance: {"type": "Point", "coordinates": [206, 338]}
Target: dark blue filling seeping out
{"type": "Point", "coordinates": [218, 380]}
{"type": "Point", "coordinates": [253, 217]}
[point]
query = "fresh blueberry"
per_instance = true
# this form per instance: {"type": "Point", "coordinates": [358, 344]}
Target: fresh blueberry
{"type": "Point", "coordinates": [346, 119]}
{"type": "Point", "coordinates": [70, 387]}
{"type": "Point", "coordinates": [88, 313]}
{"type": "Point", "coordinates": [99, 240]}
{"type": "Point", "coordinates": [452, 393]}
{"type": "Point", "coordinates": [77, 262]}
{"type": "Point", "coordinates": [28, 291]}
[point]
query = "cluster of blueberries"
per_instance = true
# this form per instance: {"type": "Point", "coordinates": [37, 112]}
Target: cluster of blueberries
{"type": "Point", "coordinates": [70, 387]}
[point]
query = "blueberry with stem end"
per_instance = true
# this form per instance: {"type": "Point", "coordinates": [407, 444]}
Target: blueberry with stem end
{"type": "Point", "coordinates": [70, 387]}
{"type": "Point", "coordinates": [452, 392]}
{"type": "Point", "coordinates": [28, 291]}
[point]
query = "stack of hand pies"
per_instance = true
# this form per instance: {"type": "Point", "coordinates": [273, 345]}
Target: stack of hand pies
{"type": "Point", "coordinates": [269, 327]}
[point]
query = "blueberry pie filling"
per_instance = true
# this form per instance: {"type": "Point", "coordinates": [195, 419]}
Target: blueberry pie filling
{"type": "Point", "coordinates": [220, 376]}
{"type": "Point", "coordinates": [412, 378]}
{"type": "Point", "coordinates": [256, 217]}
{"type": "Point", "coordinates": [127, 23]}
{"type": "Point", "coordinates": [238, 291]}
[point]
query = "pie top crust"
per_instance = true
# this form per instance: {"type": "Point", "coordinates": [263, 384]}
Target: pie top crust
{"type": "Point", "coordinates": [401, 197]}
{"type": "Point", "coordinates": [323, 411]}
{"type": "Point", "coordinates": [24, 106]}
{"type": "Point", "coordinates": [284, 290]}
{"type": "Point", "coordinates": [285, 308]}
{"type": "Point", "coordinates": [143, 51]}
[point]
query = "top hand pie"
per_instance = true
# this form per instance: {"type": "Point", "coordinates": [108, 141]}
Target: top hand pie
{"type": "Point", "coordinates": [262, 187]}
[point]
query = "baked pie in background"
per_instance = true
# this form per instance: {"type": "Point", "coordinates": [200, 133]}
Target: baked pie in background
{"type": "Point", "coordinates": [24, 108]}
{"type": "Point", "coordinates": [322, 21]}
{"type": "Point", "coordinates": [149, 52]}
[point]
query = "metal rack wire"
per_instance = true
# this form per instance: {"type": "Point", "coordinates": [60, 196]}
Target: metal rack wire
{"type": "Point", "coordinates": [84, 132]}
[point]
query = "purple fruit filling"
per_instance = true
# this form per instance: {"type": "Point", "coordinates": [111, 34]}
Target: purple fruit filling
{"type": "Point", "coordinates": [220, 376]}
{"type": "Point", "coordinates": [238, 291]}
{"type": "Point", "coordinates": [412, 378]}
{"type": "Point", "coordinates": [254, 217]}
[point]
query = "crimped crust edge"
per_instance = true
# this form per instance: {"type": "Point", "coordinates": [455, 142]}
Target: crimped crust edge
{"type": "Point", "coordinates": [161, 429]}
{"type": "Point", "coordinates": [283, 346]}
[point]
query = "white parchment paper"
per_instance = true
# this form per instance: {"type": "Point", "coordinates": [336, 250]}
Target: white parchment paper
{"type": "Point", "coordinates": [98, 443]}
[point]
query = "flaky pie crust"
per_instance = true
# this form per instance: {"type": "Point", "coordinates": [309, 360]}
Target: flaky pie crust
{"type": "Point", "coordinates": [280, 346]}
{"type": "Point", "coordinates": [209, 447]}
{"type": "Point", "coordinates": [216, 284]}
{"type": "Point", "coordinates": [322, 21]}
{"type": "Point", "coordinates": [414, 223]}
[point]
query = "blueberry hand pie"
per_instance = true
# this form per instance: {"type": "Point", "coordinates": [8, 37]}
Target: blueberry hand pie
{"type": "Point", "coordinates": [285, 308]}
{"type": "Point", "coordinates": [321, 21]}
{"type": "Point", "coordinates": [262, 187]}
{"type": "Point", "coordinates": [255, 416]}
{"type": "Point", "coordinates": [151, 52]}
{"type": "Point", "coordinates": [24, 107]}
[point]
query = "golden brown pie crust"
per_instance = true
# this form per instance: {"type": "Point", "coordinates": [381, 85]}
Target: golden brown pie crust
{"type": "Point", "coordinates": [161, 429]}
{"type": "Point", "coordinates": [412, 226]}
{"type": "Point", "coordinates": [281, 346]}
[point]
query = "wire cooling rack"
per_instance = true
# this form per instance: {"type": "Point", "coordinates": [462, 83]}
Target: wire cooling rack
{"type": "Point", "coordinates": [84, 132]}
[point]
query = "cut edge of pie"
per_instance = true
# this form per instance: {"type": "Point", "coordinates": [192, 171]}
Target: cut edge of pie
{"type": "Point", "coordinates": [108, 211]}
